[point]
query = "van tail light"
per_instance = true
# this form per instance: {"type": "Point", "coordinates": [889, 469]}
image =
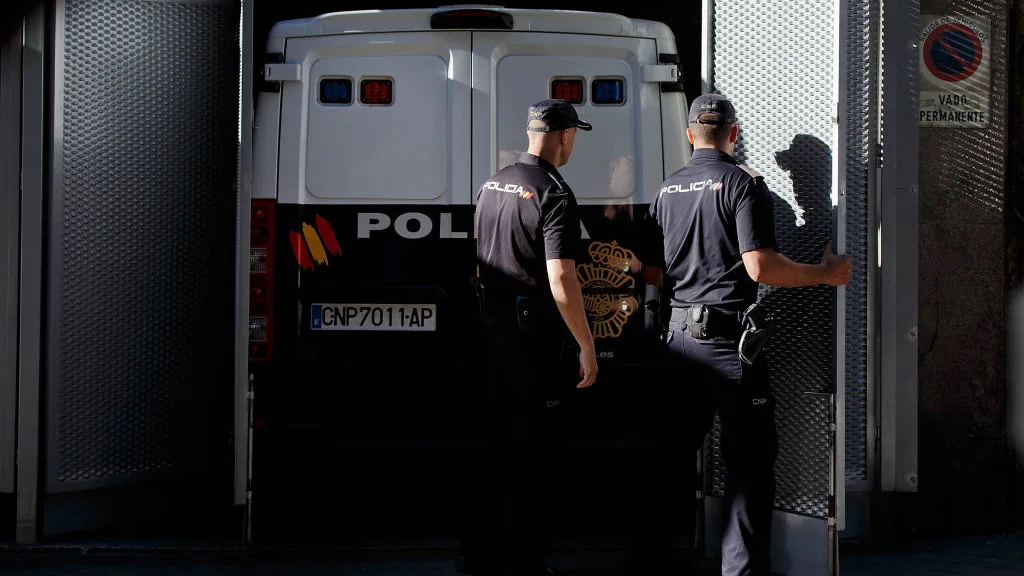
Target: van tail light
{"type": "Point", "coordinates": [261, 281]}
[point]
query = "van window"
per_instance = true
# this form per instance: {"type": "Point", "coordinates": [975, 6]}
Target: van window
{"type": "Point", "coordinates": [604, 165]}
{"type": "Point", "coordinates": [397, 117]}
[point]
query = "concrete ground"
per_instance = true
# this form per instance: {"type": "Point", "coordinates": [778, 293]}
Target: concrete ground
{"type": "Point", "coordinates": [1001, 555]}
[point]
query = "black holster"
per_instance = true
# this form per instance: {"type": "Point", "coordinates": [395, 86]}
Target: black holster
{"type": "Point", "coordinates": [653, 326]}
{"type": "Point", "coordinates": [758, 325]}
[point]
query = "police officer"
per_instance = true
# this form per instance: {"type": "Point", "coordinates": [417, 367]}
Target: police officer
{"type": "Point", "coordinates": [713, 220]}
{"type": "Point", "coordinates": [538, 339]}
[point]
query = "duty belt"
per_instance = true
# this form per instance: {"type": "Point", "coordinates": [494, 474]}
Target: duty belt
{"type": "Point", "coordinates": [704, 322]}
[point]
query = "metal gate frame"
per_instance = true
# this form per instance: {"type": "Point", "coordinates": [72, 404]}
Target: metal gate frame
{"type": "Point", "coordinates": [898, 251]}
{"type": "Point", "coordinates": [10, 249]}
{"type": "Point", "coordinates": [33, 165]}
{"type": "Point", "coordinates": [242, 432]}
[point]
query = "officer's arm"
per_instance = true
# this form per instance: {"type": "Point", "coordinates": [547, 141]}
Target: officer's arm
{"type": "Point", "coordinates": [561, 229]}
{"type": "Point", "coordinates": [565, 288]}
{"type": "Point", "coordinates": [768, 266]}
{"type": "Point", "coordinates": [755, 229]}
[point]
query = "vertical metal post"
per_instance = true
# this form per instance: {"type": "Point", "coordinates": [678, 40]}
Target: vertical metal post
{"type": "Point", "coordinates": [707, 46]}
{"type": "Point", "coordinates": [898, 261]}
{"type": "Point", "coordinates": [707, 58]}
{"type": "Point", "coordinates": [241, 425]}
{"type": "Point", "coordinates": [10, 242]}
{"type": "Point", "coordinates": [53, 247]}
{"type": "Point", "coordinates": [841, 121]}
{"type": "Point", "coordinates": [30, 322]}
{"type": "Point", "coordinates": [872, 360]}
{"type": "Point", "coordinates": [872, 273]}
{"type": "Point", "coordinates": [248, 475]}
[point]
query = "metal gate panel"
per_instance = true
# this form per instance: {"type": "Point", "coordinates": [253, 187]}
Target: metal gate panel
{"type": "Point", "coordinates": [142, 226]}
{"type": "Point", "coordinates": [786, 134]}
{"type": "Point", "coordinates": [791, 73]}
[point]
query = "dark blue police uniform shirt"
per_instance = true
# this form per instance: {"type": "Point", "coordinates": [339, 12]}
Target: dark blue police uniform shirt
{"type": "Point", "coordinates": [525, 215]}
{"type": "Point", "coordinates": [705, 216]}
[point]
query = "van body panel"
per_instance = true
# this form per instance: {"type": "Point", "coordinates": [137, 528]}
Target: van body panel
{"type": "Point", "coordinates": [378, 356]}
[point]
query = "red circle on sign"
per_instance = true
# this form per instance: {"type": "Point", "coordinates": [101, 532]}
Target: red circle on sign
{"type": "Point", "coordinates": [967, 67]}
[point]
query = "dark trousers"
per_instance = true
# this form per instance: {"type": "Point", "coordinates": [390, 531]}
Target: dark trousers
{"type": "Point", "coordinates": [715, 379]}
{"type": "Point", "coordinates": [510, 500]}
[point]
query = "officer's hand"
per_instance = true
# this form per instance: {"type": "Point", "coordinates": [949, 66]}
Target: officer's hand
{"type": "Point", "coordinates": [588, 367]}
{"type": "Point", "coordinates": [836, 268]}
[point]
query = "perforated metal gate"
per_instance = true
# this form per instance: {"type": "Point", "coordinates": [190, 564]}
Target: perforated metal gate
{"type": "Point", "coordinates": [142, 228]}
{"type": "Point", "coordinates": [861, 138]}
{"type": "Point", "coordinates": [785, 74]}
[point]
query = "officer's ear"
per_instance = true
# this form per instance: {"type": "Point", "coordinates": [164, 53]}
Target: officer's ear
{"type": "Point", "coordinates": [689, 135]}
{"type": "Point", "coordinates": [734, 134]}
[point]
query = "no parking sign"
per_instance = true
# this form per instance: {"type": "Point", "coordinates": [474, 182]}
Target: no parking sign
{"type": "Point", "coordinates": [955, 83]}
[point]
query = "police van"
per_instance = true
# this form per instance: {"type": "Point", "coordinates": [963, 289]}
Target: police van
{"type": "Point", "coordinates": [372, 132]}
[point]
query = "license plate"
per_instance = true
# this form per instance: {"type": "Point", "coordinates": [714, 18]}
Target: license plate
{"type": "Point", "coordinates": [374, 317]}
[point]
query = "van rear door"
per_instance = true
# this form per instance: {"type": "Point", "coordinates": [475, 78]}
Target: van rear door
{"type": "Point", "coordinates": [612, 171]}
{"type": "Point", "coordinates": [612, 168]}
{"type": "Point", "coordinates": [373, 330]}
{"type": "Point", "coordinates": [375, 232]}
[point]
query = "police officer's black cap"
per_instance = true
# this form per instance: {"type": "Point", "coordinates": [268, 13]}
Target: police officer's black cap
{"type": "Point", "coordinates": [712, 109]}
{"type": "Point", "coordinates": [554, 115]}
